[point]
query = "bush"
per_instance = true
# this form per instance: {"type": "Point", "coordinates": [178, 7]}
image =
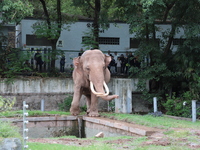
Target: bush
{"type": "Point", "coordinates": [179, 106]}
{"type": "Point", "coordinates": [66, 104]}
{"type": "Point", "coordinates": [6, 104]}
{"type": "Point", "coordinates": [8, 130]}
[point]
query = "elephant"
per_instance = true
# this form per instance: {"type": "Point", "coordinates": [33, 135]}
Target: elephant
{"type": "Point", "coordinates": [90, 76]}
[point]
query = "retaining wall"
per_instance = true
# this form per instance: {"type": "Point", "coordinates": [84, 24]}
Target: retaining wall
{"type": "Point", "coordinates": [55, 90]}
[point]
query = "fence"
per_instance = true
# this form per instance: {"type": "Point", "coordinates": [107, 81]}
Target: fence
{"type": "Point", "coordinates": [63, 59]}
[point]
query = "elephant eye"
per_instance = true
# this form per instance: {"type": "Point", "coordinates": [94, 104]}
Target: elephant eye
{"type": "Point", "coordinates": [87, 68]}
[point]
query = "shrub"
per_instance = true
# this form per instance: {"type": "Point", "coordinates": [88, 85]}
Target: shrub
{"type": "Point", "coordinates": [66, 104]}
{"type": "Point", "coordinates": [6, 104]}
{"type": "Point", "coordinates": [179, 106]}
{"type": "Point", "coordinates": [8, 130]}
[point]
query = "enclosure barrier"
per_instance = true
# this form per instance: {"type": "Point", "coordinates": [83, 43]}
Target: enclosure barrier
{"type": "Point", "coordinates": [25, 130]}
{"type": "Point", "coordinates": [194, 109]}
{"type": "Point", "coordinates": [155, 107]}
{"type": "Point", "coordinates": [42, 104]}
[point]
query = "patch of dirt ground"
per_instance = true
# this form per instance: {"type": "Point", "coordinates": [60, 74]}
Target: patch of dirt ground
{"type": "Point", "coordinates": [158, 139]}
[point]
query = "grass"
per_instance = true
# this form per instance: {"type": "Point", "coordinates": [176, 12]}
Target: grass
{"type": "Point", "coordinates": [34, 113]}
{"type": "Point", "coordinates": [150, 121]}
{"type": "Point", "coordinates": [7, 130]}
{"type": "Point", "coordinates": [179, 133]}
{"type": "Point", "coordinates": [40, 146]}
{"type": "Point", "coordinates": [154, 147]}
{"type": "Point", "coordinates": [93, 144]}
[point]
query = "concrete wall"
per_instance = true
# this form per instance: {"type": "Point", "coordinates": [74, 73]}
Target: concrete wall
{"type": "Point", "coordinates": [55, 90]}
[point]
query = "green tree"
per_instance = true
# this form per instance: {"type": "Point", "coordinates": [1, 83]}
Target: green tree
{"type": "Point", "coordinates": [52, 23]}
{"type": "Point", "coordinates": [98, 11]}
{"type": "Point", "coordinates": [167, 70]}
{"type": "Point", "coordinates": [12, 11]}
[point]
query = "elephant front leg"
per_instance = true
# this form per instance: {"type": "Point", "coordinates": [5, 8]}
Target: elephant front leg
{"type": "Point", "coordinates": [75, 108]}
{"type": "Point", "coordinates": [93, 108]}
{"type": "Point", "coordinates": [88, 102]}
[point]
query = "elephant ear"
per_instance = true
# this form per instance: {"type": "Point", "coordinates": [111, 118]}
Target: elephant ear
{"type": "Point", "coordinates": [77, 64]}
{"type": "Point", "coordinates": [76, 61]}
{"type": "Point", "coordinates": [107, 60]}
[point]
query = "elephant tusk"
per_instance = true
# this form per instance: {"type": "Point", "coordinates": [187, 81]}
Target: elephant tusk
{"type": "Point", "coordinates": [97, 93]}
{"type": "Point", "coordinates": [106, 88]}
{"type": "Point", "coordinates": [92, 89]}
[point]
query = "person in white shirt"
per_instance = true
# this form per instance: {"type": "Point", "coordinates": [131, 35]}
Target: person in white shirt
{"type": "Point", "coordinates": [115, 57]}
{"type": "Point", "coordinates": [118, 62]}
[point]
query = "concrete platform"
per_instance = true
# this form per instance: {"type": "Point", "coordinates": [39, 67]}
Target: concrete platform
{"type": "Point", "coordinates": [49, 126]}
{"type": "Point", "coordinates": [122, 126]}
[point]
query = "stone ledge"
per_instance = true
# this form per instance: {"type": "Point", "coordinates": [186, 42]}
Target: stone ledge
{"type": "Point", "coordinates": [40, 119]}
{"type": "Point", "coordinates": [133, 128]}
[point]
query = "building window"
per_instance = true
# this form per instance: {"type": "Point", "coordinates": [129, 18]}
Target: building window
{"type": "Point", "coordinates": [178, 41]}
{"type": "Point", "coordinates": [60, 43]}
{"type": "Point", "coordinates": [134, 43]}
{"type": "Point", "coordinates": [86, 40]}
{"type": "Point", "coordinates": [33, 40]}
{"type": "Point", "coordinates": [102, 40]}
{"type": "Point", "coordinates": [109, 40]}
{"type": "Point", "coordinates": [92, 25]}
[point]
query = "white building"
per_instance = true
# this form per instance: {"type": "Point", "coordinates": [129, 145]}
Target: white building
{"type": "Point", "coordinates": [115, 38]}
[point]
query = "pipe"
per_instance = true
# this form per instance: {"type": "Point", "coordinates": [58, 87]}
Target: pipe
{"type": "Point", "coordinates": [194, 111]}
{"type": "Point", "coordinates": [155, 104]}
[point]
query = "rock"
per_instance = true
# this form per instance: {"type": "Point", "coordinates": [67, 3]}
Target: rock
{"type": "Point", "coordinates": [156, 114]}
{"type": "Point", "coordinates": [100, 135]}
{"type": "Point", "coordinates": [11, 144]}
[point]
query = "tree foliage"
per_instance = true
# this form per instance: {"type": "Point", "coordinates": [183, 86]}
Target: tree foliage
{"type": "Point", "coordinates": [168, 71]}
{"type": "Point", "coordinates": [13, 64]}
{"type": "Point", "coordinates": [51, 23]}
{"type": "Point", "coordinates": [99, 12]}
{"type": "Point", "coordinates": [13, 11]}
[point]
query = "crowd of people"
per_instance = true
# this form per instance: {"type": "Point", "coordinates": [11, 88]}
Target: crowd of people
{"type": "Point", "coordinates": [120, 64]}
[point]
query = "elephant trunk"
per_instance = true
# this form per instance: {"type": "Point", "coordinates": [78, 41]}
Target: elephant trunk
{"type": "Point", "coordinates": [99, 94]}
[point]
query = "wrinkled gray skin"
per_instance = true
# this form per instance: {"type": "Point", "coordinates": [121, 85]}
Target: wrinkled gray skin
{"type": "Point", "coordinates": [90, 66]}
